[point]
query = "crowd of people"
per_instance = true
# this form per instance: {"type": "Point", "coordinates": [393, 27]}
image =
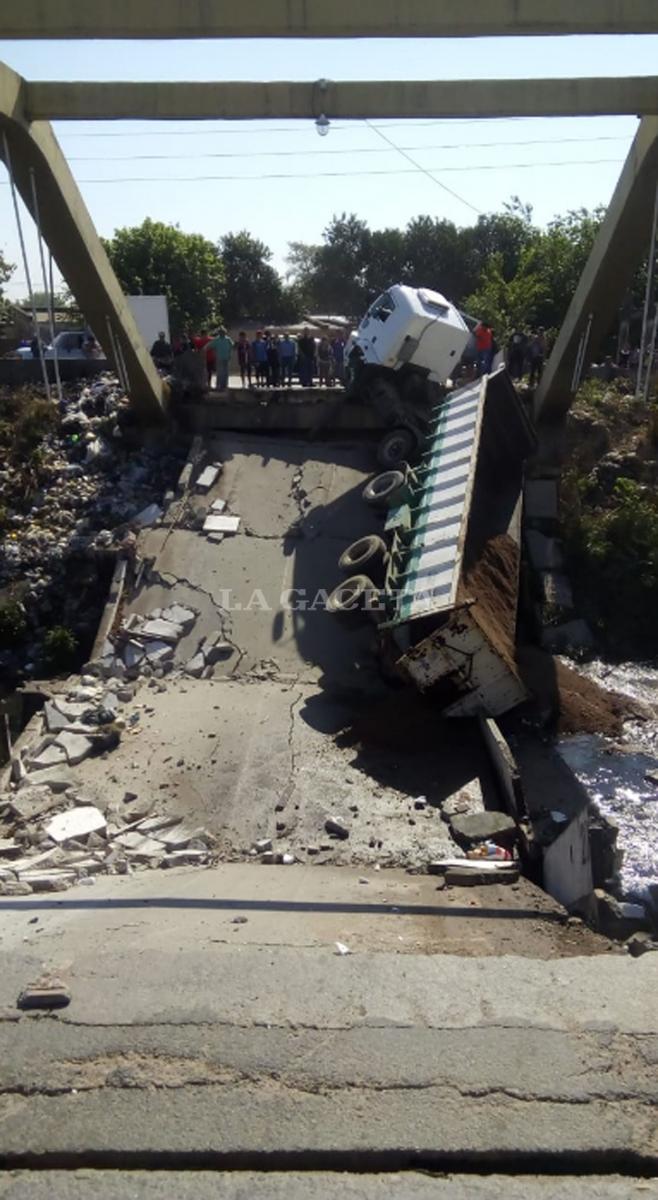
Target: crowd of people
{"type": "Point", "coordinates": [526, 352]}
{"type": "Point", "coordinates": [266, 360]}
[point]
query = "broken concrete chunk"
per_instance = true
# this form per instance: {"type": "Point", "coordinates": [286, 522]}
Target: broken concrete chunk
{"type": "Point", "coordinates": [15, 887]}
{"type": "Point", "coordinates": [76, 747]}
{"type": "Point", "coordinates": [58, 779]}
{"type": "Point", "coordinates": [159, 652]}
{"type": "Point", "coordinates": [218, 506]}
{"type": "Point", "coordinates": [165, 631]}
{"type": "Point", "coordinates": [133, 654]}
{"type": "Point", "coordinates": [152, 824]}
{"type": "Point", "coordinates": [214, 648]}
{"type": "Point", "coordinates": [480, 827]}
{"type": "Point", "coordinates": [179, 836]}
{"type": "Point", "coordinates": [195, 666]}
{"type": "Point", "coordinates": [75, 823]}
{"type": "Point", "coordinates": [55, 720]}
{"type": "Point", "coordinates": [9, 847]}
{"type": "Point", "coordinates": [45, 993]}
{"type": "Point", "coordinates": [216, 523]}
{"type": "Point", "coordinates": [52, 756]}
{"type": "Point", "coordinates": [181, 858]}
{"type": "Point", "coordinates": [147, 849]}
{"type": "Point", "coordinates": [262, 845]}
{"type": "Point", "coordinates": [185, 617]}
{"type": "Point", "coordinates": [134, 840]}
{"type": "Point", "coordinates": [49, 881]}
{"type": "Point", "coordinates": [461, 877]}
{"type": "Point", "coordinates": [208, 477]}
{"type": "Point", "coordinates": [215, 538]}
{"type": "Point", "coordinates": [30, 802]}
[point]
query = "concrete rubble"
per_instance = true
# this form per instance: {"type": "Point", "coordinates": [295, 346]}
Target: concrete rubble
{"type": "Point", "coordinates": [52, 834]}
{"type": "Point", "coordinates": [68, 512]}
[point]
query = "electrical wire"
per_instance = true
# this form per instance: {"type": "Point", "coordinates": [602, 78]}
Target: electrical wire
{"type": "Point", "coordinates": [425, 170]}
{"type": "Point", "coordinates": [332, 151]}
{"type": "Point", "coordinates": [243, 126]}
{"type": "Point", "coordinates": [500, 166]}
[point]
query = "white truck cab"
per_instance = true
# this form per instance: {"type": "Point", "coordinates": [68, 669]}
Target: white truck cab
{"type": "Point", "coordinates": [411, 327]}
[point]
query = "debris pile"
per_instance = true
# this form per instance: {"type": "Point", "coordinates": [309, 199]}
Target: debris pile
{"type": "Point", "coordinates": [69, 495]}
{"type": "Point", "coordinates": [51, 833]}
{"type": "Point", "coordinates": [145, 647]}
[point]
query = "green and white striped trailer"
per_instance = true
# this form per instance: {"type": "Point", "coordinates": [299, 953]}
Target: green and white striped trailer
{"type": "Point", "coordinates": [451, 588]}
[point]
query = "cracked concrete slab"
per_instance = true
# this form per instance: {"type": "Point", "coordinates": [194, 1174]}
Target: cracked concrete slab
{"type": "Point", "coordinates": [236, 1042]}
{"type": "Point", "coordinates": [314, 1185]}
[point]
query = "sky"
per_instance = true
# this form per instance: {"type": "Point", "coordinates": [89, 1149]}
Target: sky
{"type": "Point", "coordinates": [283, 183]}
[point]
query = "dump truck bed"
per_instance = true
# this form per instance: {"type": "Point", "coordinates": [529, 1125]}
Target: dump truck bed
{"type": "Point", "coordinates": [452, 585]}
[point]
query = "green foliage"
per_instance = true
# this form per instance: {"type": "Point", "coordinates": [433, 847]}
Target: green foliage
{"type": "Point", "coordinates": [253, 288]}
{"type": "Point", "coordinates": [6, 270]}
{"type": "Point", "coordinates": [59, 648]}
{"type": "Point", "coordinates": [42, 300]}
{"type": "Point", "coordinates": [502, 266]}
{"type": "Point", "coordinates": [508, 303]}
{"type": "Point", "coordinates": [12, 623]}
{"type": "Point", "coordinates": [613, 553]}
{"type": "Point", "coordinates": [25, 420]}
{"type": "Point", "coordinates": [156, 259]}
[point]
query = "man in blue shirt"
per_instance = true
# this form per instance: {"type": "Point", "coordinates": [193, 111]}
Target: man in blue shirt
{"type": "Point", "coordinates": [259, 355]}
{"type": "Point", "coordinates": [287, 356]}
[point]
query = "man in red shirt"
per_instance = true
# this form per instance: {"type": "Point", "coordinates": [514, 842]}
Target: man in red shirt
{"type": "Point", "coordinates": [484, 344]}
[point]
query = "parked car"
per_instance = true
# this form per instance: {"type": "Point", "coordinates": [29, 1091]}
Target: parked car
{"type": "Point", "coordinates": [77, 343]}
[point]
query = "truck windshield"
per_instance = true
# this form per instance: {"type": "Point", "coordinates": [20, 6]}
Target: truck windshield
{"type": "Point", "coordinates": [383, 307]}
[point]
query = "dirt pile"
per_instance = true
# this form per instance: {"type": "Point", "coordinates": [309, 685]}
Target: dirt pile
{"type": "Point", "coordinates": [492, 582]}
{"type": "Point", "coordinates": [568, 702]}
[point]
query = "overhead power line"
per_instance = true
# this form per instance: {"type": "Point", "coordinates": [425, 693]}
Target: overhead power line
{"type": "Point", "coordinates": [499, 166]}
{"type": "Point", "coordinates": [332, 151]}
{"type": "Point", "coordinates": [425, 170]}
{"type": "Point", "coordinates": [244, 126]}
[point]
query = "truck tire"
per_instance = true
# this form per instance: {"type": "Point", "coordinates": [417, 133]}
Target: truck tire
{"type": "Point", "coordinates": [396, 447]}
{"type": "Point", "coordinates": [350, 598]}
{"type": "Point", "coordinates": [383, 489]}
{"type": "Point", "coordinates": [368, 554]}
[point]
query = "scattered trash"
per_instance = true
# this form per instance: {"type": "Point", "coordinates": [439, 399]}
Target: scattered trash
{"type": "Point", "coordinates": [489, 850]}
{"type": "Point", "coordinates": [342, 949]}
{"type": "Point", "coordinates": [239, 921]}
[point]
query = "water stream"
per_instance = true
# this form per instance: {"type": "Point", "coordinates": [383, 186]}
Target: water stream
{"type": "Point", "coordinates": [615, 773]}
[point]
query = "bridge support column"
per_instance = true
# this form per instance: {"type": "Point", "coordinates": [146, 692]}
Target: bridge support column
{"type": "Point", "coordinates": [620, 244]}
{"type": "Point", "coordinates": [69, 232]}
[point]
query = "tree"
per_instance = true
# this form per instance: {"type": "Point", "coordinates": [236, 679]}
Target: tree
{"type": "Point", "coordinates": [509, 303]}
{"type": "Point", "coordinates": [333, 277]}
{"type": "Point", "coordinates": [42, 300]}
{"type": "Point", "coordinates": [508, 233]}
{"type": "Point", "coordinates": [6, 271]}
{"type": "Point", "coordinates": [253, 287]}
{"type": "Point", "coordinates": [435, 257]}
{"type": "Point", "coordinates": [155, 259]}
{"type": "Point", "coordinates": [386, 260]}
{"type": "Point", "coordinates": [302, 260]}
{"type": "Point", "coordinates": [562, 251]}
